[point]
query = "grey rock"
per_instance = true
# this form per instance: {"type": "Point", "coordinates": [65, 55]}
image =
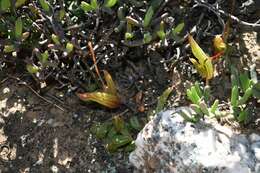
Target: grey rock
{"type": "Point", "coordinates": [168, 144]}
{"type": "Point", "coordinates": [254, 138]}
{"type": "Point", "coordinates": [256, 149]}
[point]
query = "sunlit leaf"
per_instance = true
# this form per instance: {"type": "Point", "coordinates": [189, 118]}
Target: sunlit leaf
{"type": "Point", "coordinates": [214, 107]}
{"type": "Point", "coordinates": [103, 98]}
{"type": "Point", "coordinates": [219, 44]}
{"type": "Point", "coordinates": [110, 3]}
{"type": "Point", "coordinates": [202, 62]}
{"type": "Point", "coordinates": [94, 4]}
{"type": "Point", "coordinates": [110, 85]}
{"type": "Point", "coordinates": [193, 95]}
{"type": "Point", "coordinates": [55, 39]}
{"type": "Point", "coordinates": [69, 47]}
{"type": "Point", "coordinates": [32, 68]}
{"type": "Point", "coordinates": [86, 6]}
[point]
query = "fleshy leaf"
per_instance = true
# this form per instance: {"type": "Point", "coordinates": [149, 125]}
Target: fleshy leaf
{"type": "Point", "coordinates": [148, 16]}
{"type": "Point", "coordinates": [5, 5]}
{"type": "Point", "coordinates": [18, 28]}
{"type": "Point", "coordinates": [86, 6]}
{"type": "Point", "coordinates": [219, 44]}
{"type": "Point", "coordinates": [19, 3]}
{"type": "Point", "coordinates": [103, 98]}
{"type": "Point", "coordinates": [118, 123]}
{"type": "Point", "coordinates": [117, 142]}
{"type": "Point", "coordinates": [45, 5]}
{"type": "Point", "coordinates": [162, 99]}
{"type": "Point", "coordinates": [111, 87]}
{"type": "Point", "coordinates": [110, 3]}
{"type": "Point", "coordinates": [203, 63]}
{"type": "Point", "coordinates": [32, 69]}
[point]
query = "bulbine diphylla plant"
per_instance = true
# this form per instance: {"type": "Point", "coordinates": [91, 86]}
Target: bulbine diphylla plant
{"type": "Point", "coordinates": [243, 89]}
{"type": "Point", "coordinates": [200, 98]}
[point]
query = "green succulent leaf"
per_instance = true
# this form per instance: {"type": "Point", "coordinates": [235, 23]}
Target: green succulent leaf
{"type": "Point", "coordinates": [118, 141]}
{"type": "Point", "coordinates": [256, 90]}
{"type": "Point", "coordinates": [204, 108]}
{"type": "Point", "coordinates": [69, 47]}
{"type": "Point", "coordinates": [147, 38]}
{"type": "Point", "coordinates": [178, 28]}
{"type": "Point", "coordinates": [134, 122]}
{"type": "Point", "coordinates": [100, 130]}
{"type": "Point", "coordinates": [214, 107]}
{"type": "Point", "coordinates": [244, 81]}
{"type": "Point", "coordinates": [163, 99]}
{"type": "Point", "coordinates": [198, 89]}
{"type": "Point", "coordinates": [94, 4]}
{"type": "Point", "coordinates": [32, 69]}
{"type": "Point", "coordinates": [5, 5]}
{"type": "Point", "coordinates": [193, 95]}
{"type": "Point", "coordinates": [45, 5]}
{"type": "Point", "coordinates": [118, 123]}
{"type": "Point", "coordinates": [148, 16]}
{"type": "Point", "coordinates": [243, 115]}
{"type": "Point", "coordinates": [246, 96]}
{"type": "Point", "coordinates": [19, 3]}
{"type": "Point", "coordinates": [18, 28]}
{"type": "Point", "coordinates": [9, 48]}
{"type": "Point", "coordinates": [86, 6]}
{"type": "Point", "coordinates": [55, 39]}
{"type": "Point", "coordinates": [110, 3]}
{"type": "Point", "coordinates": [44, 57]}
{"type": "Point", "coordinates": [234, 95]}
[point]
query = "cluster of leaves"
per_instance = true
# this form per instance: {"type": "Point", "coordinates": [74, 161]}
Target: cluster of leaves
{"type": "Point", "coordinates": [243, 89]}
{"type": "Point", "coordinates": [117, 134]}
{"type": "Point", "coordinates": [108, 97]}
{"type": "Point", "coordinates": [200, 98]}
{"type": "Point", "coordinates": [149, 30]}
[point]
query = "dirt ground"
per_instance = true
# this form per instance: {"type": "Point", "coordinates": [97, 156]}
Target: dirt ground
{"type": "Point", "coordinates": [48, 131]}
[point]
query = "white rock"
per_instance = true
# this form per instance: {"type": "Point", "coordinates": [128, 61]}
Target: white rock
{"type": "Point", "coordinates": [170, 144]}
{"type": "Point", "coordinates": [256, 148]}
{"type": "Point", "coordinates": [254, 138]}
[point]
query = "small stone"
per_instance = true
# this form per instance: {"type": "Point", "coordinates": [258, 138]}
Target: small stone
{"type": "Point", "coordinates": [54, 169]}
{"type": "Point", "coordinates": [6, 90]}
